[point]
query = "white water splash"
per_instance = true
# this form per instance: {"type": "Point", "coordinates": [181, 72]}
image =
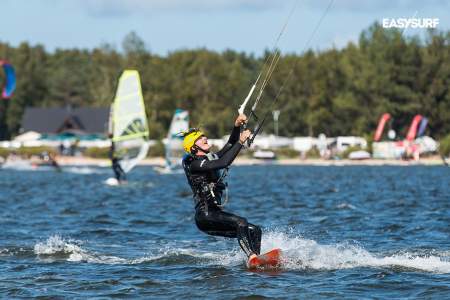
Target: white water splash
{"type": "Point", "coordinates": [224, 258]}
{"type": "Point", "coordinates": [299, 253]}
{"type": "Point", "coordinates": [56, 246]}
{"type": "Point", "coordinates": [345, 205]}
{"type": "Point", "coordinates": [84, 170]}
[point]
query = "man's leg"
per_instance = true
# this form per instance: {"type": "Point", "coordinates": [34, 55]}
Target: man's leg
{"type": "Point", "coordinates": [255, 236]}
{"type": "Point", "coordinates": [116, 171]}
{"type": "Point", "coordinates": [123, 175]}
{"type": "Point", "coordinates": [225, 224]}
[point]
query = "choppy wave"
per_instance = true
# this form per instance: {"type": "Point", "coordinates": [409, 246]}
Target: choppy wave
{"type": "Point", "coordinates": [174, 255]}
{"type": "Point", "coordinates": [167, 171]}
{"type": "Point", "coordinates": [56, 247]}
{"type": "Point", "coordinates": [345, 205]}
{"type": "Point", "coordinates": [23, 165]}
{"type": "Point", "coordinates": [140, 240]}
{"type": "Point", "coordinates": [85, 170]}
{"type": "Point", "coordinates": [298, 254]}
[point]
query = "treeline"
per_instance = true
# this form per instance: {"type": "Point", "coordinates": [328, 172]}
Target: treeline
{"type": "Point", "coordinates": [336, 92]}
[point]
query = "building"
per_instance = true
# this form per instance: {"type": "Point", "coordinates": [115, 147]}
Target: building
{"type": "Point", "coordinates": [55, 121]}
{"type": "Point", "coordinates": [62, 128]}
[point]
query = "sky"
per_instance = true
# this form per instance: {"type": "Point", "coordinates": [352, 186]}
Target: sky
{"type": "Point", "coordinates": [169, 25]}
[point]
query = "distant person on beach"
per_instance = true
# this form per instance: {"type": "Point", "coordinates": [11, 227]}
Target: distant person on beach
{"type": "Point", "coordinates": [203, 171]}
{"type": "Point", "coordinates": [61, 149]}
{"type": "Point", "coordinates": [117, 169]}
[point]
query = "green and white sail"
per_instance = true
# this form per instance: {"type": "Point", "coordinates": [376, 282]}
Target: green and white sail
{"type": "Point", "coordinates": [129, 121]}
{"type": "Point", "coordinates": [174, 142]}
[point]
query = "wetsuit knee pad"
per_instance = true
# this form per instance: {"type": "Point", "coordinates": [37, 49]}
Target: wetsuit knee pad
{"type": "Point", "coordinates": [242, 222]}
{"type": "Point", "coordinates": [255, 229]}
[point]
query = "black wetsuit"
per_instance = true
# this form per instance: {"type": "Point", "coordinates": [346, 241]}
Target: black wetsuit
{"type": "Point", "coordinates": [204, 176]}
{"type": "Point", "coordinates": [55, 164]}
{"type": "Point", "coordinates": [117, 169]}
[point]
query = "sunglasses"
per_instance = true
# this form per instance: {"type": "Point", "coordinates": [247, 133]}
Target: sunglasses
{"type": "Point", "coordinates": [187, 132]}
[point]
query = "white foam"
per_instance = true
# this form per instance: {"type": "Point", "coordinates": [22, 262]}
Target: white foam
{"type": "Point", "coordinates": [224, 258]}
{"type": "Point", "coordinates": [112, 181]}
{"type": "Point", "coordinates": [71, 250]}
{"type": "Point", "coordinates": [83, 170]}
{"type": "Point", "coordinates": [345, 205]}
{"type": "Point", "coordinates": [56, 245]}
{"type": "Point", "coordinates": [300, 253]}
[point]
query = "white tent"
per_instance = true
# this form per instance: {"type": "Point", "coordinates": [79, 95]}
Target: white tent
{"type": "Point", "coordinates": [27, 136]}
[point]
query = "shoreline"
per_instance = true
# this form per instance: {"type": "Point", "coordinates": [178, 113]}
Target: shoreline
{"type": "Point", "coordinates": [242, 161]}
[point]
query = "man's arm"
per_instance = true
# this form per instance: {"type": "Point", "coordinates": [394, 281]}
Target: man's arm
{"type": "Point", "coordinates": [222, 162]}
{"type": "Point", "coordinates": [226, 159]}
{"type": "Point", "coordinates": [234, 138]}
{"type": "Point", "coordinates": [235, 133]}
{"type": "Point", "coordinates": [111, 151]}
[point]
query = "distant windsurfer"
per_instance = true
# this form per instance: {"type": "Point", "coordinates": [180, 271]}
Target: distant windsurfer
{"type": "Point", "coordinates": [115, 163]}
{"type": "Point", "coordinates": [202, 169]}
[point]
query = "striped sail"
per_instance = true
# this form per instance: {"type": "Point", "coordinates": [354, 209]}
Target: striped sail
{"type": "Point", "coordinates": [129, 121]}
{"type": "Point", "coordinates": [174, 143]}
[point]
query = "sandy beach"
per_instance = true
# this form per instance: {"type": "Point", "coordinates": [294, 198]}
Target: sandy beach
{"type": "Point", "coordinates": [241, 161]}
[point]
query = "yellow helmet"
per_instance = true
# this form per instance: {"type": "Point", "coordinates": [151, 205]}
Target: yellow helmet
{"type": "Point", "coordinates": [190, 137]}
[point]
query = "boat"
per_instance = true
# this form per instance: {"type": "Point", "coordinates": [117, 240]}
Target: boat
{"type": "Point", "coordinates": [359, 155]}
{"type": "Point", "coordinates": [264, 154]}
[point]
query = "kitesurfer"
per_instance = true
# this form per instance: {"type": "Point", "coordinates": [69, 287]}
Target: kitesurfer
{"type": "Point", "coordinates": [48, 159]}
{"type": "Point", "coordinates": [203, 171]}
{"type": "Point", "coordinates": [53, 162]}
{"type": "Point", "coordinates": [117, 169]}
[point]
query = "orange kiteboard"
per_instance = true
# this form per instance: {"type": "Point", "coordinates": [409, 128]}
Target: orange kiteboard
{"type": "Point", "coordinates": [269, 259]}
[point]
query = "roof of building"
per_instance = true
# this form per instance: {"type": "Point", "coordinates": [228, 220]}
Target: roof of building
{"type": "Point", "coordinates": [54, 120]}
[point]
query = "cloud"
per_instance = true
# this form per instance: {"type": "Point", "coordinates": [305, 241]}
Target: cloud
{"type": "Point", "coordinates": [370, 6]}
{"type": "Point", "coordinates": [120, 8]}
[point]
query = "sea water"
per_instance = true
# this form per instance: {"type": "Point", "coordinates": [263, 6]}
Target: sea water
{"type": "Point", "coordinates": [346, 232]}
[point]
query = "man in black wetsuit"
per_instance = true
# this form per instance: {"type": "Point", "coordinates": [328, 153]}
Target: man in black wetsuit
{"type": "Point", "coordinates": [202, 169]}
{"type": "Point", "coordinates": [117, 169]}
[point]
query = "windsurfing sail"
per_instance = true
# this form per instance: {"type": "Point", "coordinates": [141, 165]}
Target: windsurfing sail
{"type": "Point", "coordinates": [129, 122]}
{"type": "Point", "coordinates": [422, 127]}
{"type": "Point", "coordinates": [174, 142]}
{"type": "Point", "coordinates": [9, 83]}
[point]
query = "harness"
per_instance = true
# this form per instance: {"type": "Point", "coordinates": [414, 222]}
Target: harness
{"type": "Point", "coordinates": [222, 181]}
{"type": "Point", "coordinates": [204, 190]}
